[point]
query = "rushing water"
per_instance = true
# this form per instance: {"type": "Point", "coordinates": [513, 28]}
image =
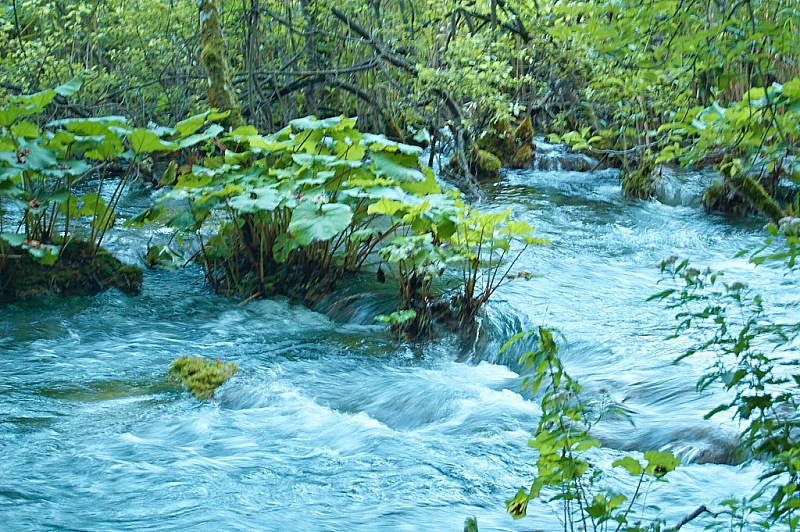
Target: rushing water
{"type": "Point", "coordinates": [331, 425]}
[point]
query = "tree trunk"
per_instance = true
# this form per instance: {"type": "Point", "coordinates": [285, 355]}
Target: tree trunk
{"type": "Point", "coordinates": [221, 94]}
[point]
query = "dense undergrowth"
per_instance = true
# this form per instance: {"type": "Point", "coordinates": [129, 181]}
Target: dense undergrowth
{"type": "Point", "coordinates": [269, 199]}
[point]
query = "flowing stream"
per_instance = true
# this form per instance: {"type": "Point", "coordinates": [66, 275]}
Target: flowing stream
{"type": "Point", "coordinates": [330, 424]}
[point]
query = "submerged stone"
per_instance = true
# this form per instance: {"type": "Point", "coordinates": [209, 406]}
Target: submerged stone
{"type": "Point", "coordinates": [78, 271]}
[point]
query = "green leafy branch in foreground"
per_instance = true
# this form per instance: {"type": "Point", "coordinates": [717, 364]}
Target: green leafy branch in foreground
{"type": "Point", "coordinates": [751, 356]}
{"type": "Point", "coordinates": [566, 474]}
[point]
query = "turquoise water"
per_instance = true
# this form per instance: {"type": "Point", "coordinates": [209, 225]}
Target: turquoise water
{"type": "Point", "coordinates": [331, 424]}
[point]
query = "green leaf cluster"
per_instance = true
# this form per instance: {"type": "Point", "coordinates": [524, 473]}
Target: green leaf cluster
{"type": "Point", "coordinates": [750, 357]}
{"type": "Point", "coordinates": [292, 211]}
{"type": "Point", "coordinates": [565, 471]}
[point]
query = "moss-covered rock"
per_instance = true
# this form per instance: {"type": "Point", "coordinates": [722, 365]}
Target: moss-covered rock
{"type": "Point", "coordinates": [77, 271]}
{"type": "Point", "coordinates": [523, 141]}
{"type": "Point", "coordinates": [201, 376]}
{"type": "Point", "coordinates": [499, 140]}
{"type": "Point", "coordinates": [524, 156]}
{"type": "Point", "coordinates": [513, 147]}
{"type": "Point", "coordinates": [761, 200]}
{"type": "Point", "coordinates": [487, 165]}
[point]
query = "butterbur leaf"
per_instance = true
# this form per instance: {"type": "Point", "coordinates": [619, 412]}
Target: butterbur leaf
{"type": "Point", "coordinates": [630, 465]}
{"type": "Point", "coordinates": [26, 130]}
{"type": "Point", "coordinates": [145, 217]}
{"type": "Point", "coordinates": [283, 246]}
{"type": "Point", "coordinates": [145, 141]}
{"type": "Point", "coordinates": [312, 222]}
{"type": "Point", "coordinates": [381, 143]}
{"type": "Point", "coordinates": [190, 125]}
{"type": "Point", "coordinates": [397, 166]}
{"type": "Point", "coordinates": [257, 199]}
{"type": "Point", "coordinates": [387, 206]}
{"type": "Point", "coordinates": [15, 239]}
{"type": "Point", "coordinates": [69, 88]}
{"type": "Point", "coordinates": [191, 140]}
{"type": "Point", "coordinates": [91, 204]}
{"type": "Point", "coordinates": [311, 123]}
{"type": "Point", "coordinates": [170, 175]}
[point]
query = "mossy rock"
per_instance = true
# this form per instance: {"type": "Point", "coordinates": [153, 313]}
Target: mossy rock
{"type": "Point", "coordinates": [487, 165]}
{"type": "Point", "coordinates": [77, 271]}
{"type": "Point", "coordinates": [525, 151]}
{"type": "Point", "coordinates": [201, 376]}
{"type": "Point", "coordinates": [524, 156]}
{"type": "Point", "coordinates": [499, 140]}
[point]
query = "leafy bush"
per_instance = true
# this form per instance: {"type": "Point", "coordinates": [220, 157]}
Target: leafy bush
{"type": "Point", "coordinates": [293, 211]}
{"type": "Point", "coordinates": [61, 182]}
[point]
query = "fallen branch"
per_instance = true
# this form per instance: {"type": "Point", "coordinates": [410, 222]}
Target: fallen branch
{"type": "Point", "coordinates": [691, 517]}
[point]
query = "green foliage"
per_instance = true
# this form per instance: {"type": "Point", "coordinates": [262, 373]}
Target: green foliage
{"type": "Point", "coordinates": [565, 472]}
{"type": "Point", "coordinates": [692, 82]}
{"type": "Point", "coordinates": [293, 211]}
{"type": "Point", "coordinates": [201, 376]}
{"type": "Point", "coordinates": [42, 166]}
{"type": "Point", "coordinates": [751, 357]}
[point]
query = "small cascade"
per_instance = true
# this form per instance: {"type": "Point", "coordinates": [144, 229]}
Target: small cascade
{"type": "Point", "coordinates": [559, 158]}
{"type": "Point", "coordinates": [678, 188]}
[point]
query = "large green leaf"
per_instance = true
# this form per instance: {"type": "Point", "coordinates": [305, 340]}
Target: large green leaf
{"type": "Point", "coordinates": [189, 125]}
{"type": "Point", "coordinates": [256, 200]}
{"type": "Point", "coordinates": [381, 143]}
{"type": "Point", "coordinates": [311, 123]}
{"type": "Point", "coordinates": [74, 124]}
{"type": "Point", "coordinates": [191, 140]}
{"type": "Point", "coordinates": [9, 114]}
{"type": "Point", "coordinates": [145, 141]}
{"type": "Point", "coordinates": [15, 239]}
{"type": "Point", "coordinates": [31, 156]}
{"type": "Point", "coordinates": [69, 88]}
{"type": "Point", "coordinates": [397, 166]}
{"type": "Point", "coordinates": [312, 222]}
{"type": "Point", "coordinates": [388, 207]}
{"type": "Point", "coordinates": [26, 129]}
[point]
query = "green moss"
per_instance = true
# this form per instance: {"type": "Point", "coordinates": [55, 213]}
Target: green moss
{"type": "Point", "coordinates": [128, 279]}
{"type": "Point", "coordinates": [78, 271]}
{"type": "Point", "coordinates": [221, 94]}
{"type": "Point", "coordinates": [201, 376]}
{"type": "Point", "coordinates": [524, 156]}
{"type": "Point", "coordinates": [524, 132]}
{"type": "Point", "coordinates": [742, 195]}
{"type": "Point", "coordinates": [487, 165]}
{"type": "Point", "coordinates": [639, 182]}
{"type": "Point", "coordinates": [758, 197]}
{"type": "Point", "coordinates": [499, 140]}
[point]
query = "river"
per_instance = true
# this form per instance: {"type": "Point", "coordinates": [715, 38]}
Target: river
{"type": "Point", "coordinates": [331, 424]}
